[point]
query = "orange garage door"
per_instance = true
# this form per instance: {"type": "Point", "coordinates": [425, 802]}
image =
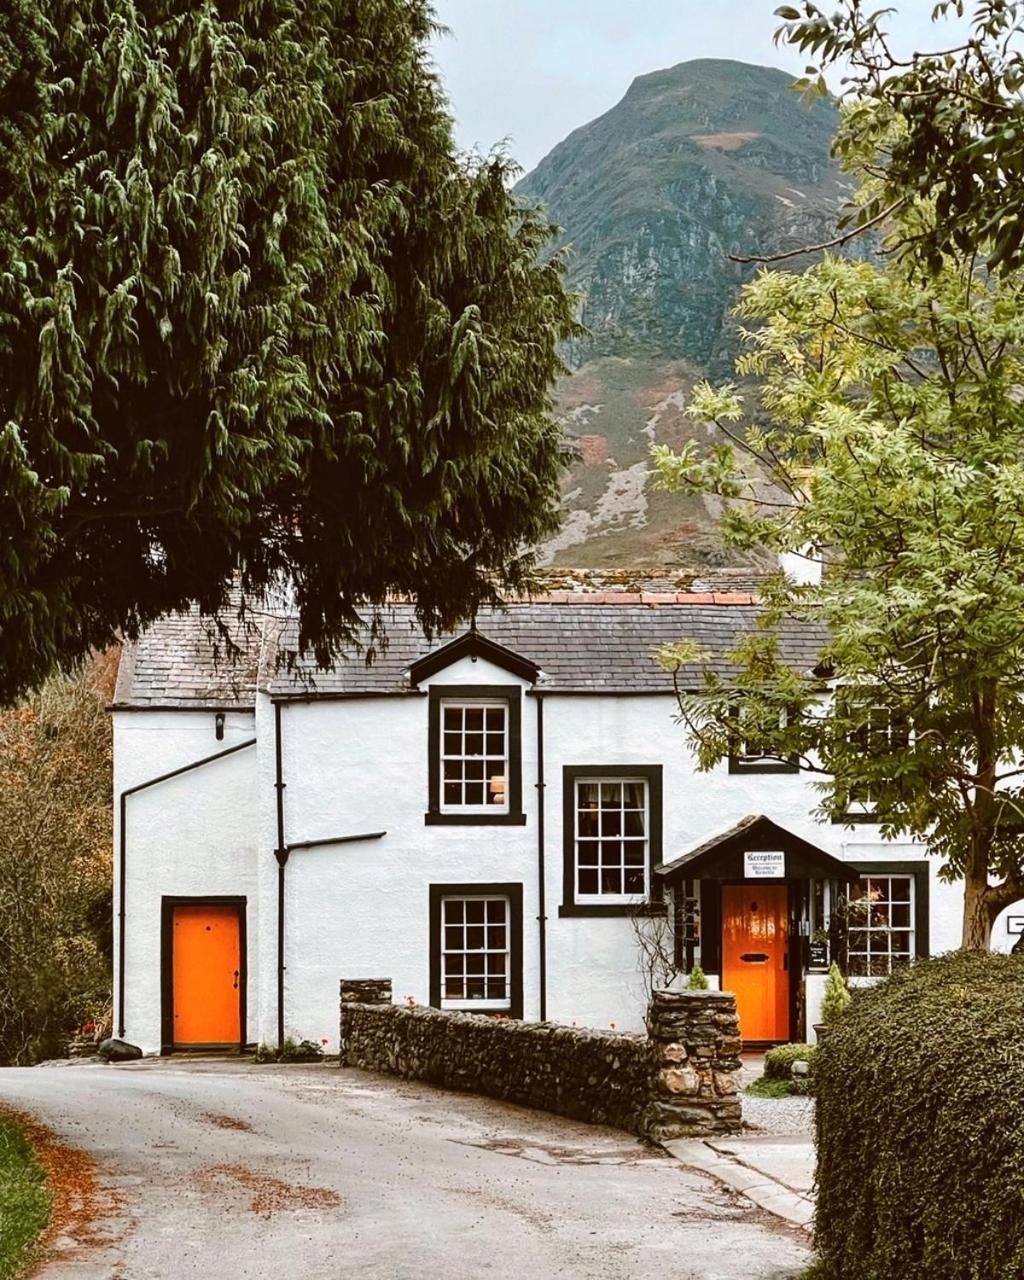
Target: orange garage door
{"type": "Point", "coordinates": [207, 962]}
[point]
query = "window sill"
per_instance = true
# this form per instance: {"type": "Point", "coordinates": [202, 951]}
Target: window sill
{"type": "Point", "coordinates": [767, 766]}
{"type": "Point", "coordinates": [476, 1007]}
{"type": "Point", "coordinates": [613, 909]}
{"type": "Point", "coordinates": [437, 819]}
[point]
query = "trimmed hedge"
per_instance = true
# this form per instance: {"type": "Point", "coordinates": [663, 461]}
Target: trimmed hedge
{"type": "Point", "coordinates": [778, 1062]}
{"type": "Point", "coordinates": [920, 1125]}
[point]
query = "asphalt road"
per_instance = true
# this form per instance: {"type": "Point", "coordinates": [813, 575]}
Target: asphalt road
{"type": "Point", "coordinates": [228, 1169]}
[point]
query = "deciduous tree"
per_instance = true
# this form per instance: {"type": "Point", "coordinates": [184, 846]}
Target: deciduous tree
{"type": "Point", "coordinates": [962, 115]}
{"type": "Point", "coordinates": [885, 440]}
{"type": "Point", "coordinates": [55, 854]}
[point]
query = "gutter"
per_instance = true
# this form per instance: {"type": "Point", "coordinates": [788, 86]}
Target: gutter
{"type": "Point", "coordinates": [542, 918]}
{"type": "Point", "coordinates": [123, 857]}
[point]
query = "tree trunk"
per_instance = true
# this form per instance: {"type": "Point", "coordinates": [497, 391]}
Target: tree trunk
{"type": "Point", "coordinates": [977, 931]}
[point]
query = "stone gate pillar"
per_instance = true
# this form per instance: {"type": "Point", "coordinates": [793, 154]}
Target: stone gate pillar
{"type": "Point", "coordinates": [360, 991]}
{"type": "Point", "coordinates": [695, 1038]}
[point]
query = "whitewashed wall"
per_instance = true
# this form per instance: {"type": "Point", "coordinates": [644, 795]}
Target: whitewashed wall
{"type": "Point", "coordinates": [361, 910]}
{"type": "Point", "coordinates": [194, 835]}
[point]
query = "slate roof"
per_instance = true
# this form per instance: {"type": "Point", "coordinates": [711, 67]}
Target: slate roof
{"type": "Point", "coordinates": [183, 661]}
{"type": "Point", "coordinates": [582, 643]}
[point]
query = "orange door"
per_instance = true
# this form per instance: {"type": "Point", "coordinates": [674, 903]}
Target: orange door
{"type": "Point", "coordinates": [755, 945]}
{"type": "Point", "coordinates": [207, 962]}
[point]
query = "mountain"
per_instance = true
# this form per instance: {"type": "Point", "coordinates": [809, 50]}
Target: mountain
{"type": "Point", "coordinates": [698, 161]}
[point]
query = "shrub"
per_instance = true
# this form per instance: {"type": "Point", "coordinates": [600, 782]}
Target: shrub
{"type": "Point", "coordinates": [920, 1125]}
{"type": "Point", "coordinates": [778, 1062]}
{"type": "Point", "coordinates": [698, 979]}
{"type": "Point", "coordinates": [290, 1051]}
{"type": "Point", "coordinates": [837, 995]}
{"type": "Point", "coordinates": [55, 857]}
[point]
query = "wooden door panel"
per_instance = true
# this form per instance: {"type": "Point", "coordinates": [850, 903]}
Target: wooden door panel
{"type": "Point", "coordinates": [755, 946]}
{"type": "Point", "coordinates": [207, 963]}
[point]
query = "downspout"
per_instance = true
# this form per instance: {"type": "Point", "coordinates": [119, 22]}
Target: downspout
{"type": "Point", "coordinates": [542, 919]}
{"type": "Point", "coordinates": [123, 858]}
{"type": "Point", "coordinates": [281, 854]}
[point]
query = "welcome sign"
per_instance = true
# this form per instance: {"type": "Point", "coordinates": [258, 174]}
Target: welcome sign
{"type": "Point", "coordinates": [764, 864]}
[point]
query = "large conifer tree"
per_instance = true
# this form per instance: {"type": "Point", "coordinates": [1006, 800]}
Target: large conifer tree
{"type": "Point", "coordinates": [256, 315]}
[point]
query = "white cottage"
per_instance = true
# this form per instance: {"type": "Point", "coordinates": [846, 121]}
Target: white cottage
{"type": "Point", "coordinates": [486, 819]}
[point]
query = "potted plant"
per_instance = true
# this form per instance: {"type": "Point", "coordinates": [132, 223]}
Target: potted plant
{"type": "Point", "coordinates": [837, 997]}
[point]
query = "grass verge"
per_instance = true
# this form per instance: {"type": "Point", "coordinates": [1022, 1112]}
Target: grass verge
{"type": "Point", "coordinates": [24, 1199]}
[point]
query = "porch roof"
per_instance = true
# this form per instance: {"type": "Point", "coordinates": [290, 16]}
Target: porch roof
{"type": "Point", "coordinates": [720, 857]}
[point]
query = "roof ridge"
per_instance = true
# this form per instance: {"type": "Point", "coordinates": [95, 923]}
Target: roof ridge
{"type": "Point", "coordinates": [654, 598]}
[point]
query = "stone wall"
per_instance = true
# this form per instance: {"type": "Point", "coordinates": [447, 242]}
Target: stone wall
{"type": "Point", "coordinates": [680, 1081]}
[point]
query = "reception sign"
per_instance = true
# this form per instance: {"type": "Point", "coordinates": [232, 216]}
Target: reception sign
{"type": "Point", "coordinates": [764, 864]}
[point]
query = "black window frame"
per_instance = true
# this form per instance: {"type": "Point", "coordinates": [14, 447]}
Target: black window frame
{"type": "Point", "coordinates": [919, 869]}
{"type": "Point", "coordinates": [512, 696]}
{"type": "Point", "coordinates": [760, 764]}
{"type": "Point", "coordinates": [653, 776]}
{"type": "Point", "coordinates": [514, 892]}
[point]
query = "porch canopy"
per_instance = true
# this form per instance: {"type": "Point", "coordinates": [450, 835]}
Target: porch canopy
{"type": "Point", "coordinates": [724, 856]}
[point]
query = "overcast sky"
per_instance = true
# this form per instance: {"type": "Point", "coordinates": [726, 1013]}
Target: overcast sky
{"type": "Point", "coordinates": [531, 71]}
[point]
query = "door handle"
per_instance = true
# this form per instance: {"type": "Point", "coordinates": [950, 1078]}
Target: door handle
{"type": "Point", "coordinates": [236, 980]}
{"type": "Point", "coordinates": [754, 957]}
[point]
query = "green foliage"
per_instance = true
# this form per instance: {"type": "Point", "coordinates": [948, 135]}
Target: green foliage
{"type": "Point", "coordinates": [886, 442]}
{"type": "Point", "coordinates": [837, 995]}
{"type": "Point", "coordinates": [767, 1088]}
{"type": "Point", "coordinates": [958, 116]}
{"type": "Point", "coordinates": [920, 1091]}
{"type": "Point", "coordinates": [698, 979]}
{"type": "Point", "coordinates": [778, 1062]}
{"type": "Point", "coordinates": [257, 316]}
{"type": "Point", "coordinates": [55, 863]}
{"type": "Point", "coordinates": [290, 1051]}
{"type": "Point", "coordinates": [24, 1199]}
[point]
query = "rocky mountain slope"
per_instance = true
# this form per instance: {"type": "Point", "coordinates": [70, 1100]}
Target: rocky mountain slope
{"type": "Point", "coordinates": [698, 161]}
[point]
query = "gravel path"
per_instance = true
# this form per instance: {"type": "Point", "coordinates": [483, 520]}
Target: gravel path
{"type": "Point", "coordinates": [779, 1115]}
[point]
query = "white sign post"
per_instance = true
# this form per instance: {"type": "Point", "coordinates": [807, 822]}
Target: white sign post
{"type": "Point", "coordinates": [764, 864]}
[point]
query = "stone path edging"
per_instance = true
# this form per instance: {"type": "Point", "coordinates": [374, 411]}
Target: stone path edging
{"type": "Point", "coordinates": [768, 1193]}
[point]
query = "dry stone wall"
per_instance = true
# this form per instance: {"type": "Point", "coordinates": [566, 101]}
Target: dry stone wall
{"type": "Point", "coordinates": [679, 1081]}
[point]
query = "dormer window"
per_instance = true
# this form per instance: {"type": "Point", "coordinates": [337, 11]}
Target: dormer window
{"type": "Point", "coordinates": [474, 755]}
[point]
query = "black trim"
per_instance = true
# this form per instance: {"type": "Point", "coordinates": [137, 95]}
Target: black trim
{"type": "Point", "coordinates": [472, 645]}
{"type": "Point", "coordinates": [573, 910]}
{"type": "Point", "coordinates": [511, 695]}
{"type": "Point", "coordinates": [764, 764]}
{"type": "Point", "coordinates": [123, 857]}
{"type": "Point", "coordinates": [327, 840]}
{"type": "Point", "coordinates": [711, 926]}
{"type": "Point", "coordinates": [247, 709]}
{"type": "Point", "coordinates": [281, 854]}
{"type": "Point", "coordinates": [542, 919]}
{"type": "Point", "coordinates": [514, 893]}
{"type": "Point", "coordinates": [720, 857]}
{"type": "Point", "coordinates": [345, 695]}
{"type": "Point", "coordinates": [167, 906]}
{"type": "Point", "coordinates": [920, 869]}
{"type": "Point", "coordinates": [652, 773]}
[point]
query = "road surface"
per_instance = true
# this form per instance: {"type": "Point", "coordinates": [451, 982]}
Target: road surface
{"type": "Point", "coordinates": [226, 1169]}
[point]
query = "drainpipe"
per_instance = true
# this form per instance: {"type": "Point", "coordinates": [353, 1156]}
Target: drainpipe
{"type": "Point", "coordinates": [123, 858]}
{"type": "Point", "coordinates": [542, 914]}
{"type": "Point", "coordinates": [281, 854]}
